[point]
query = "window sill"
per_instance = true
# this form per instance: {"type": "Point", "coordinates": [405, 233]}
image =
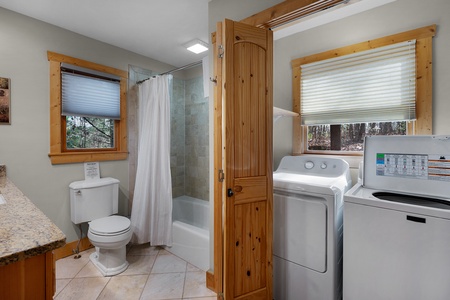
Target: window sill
{"type": "Point", "coordinates": [80, 157]}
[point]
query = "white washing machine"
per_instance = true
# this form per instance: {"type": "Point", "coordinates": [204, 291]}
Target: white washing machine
{"type": "Point", "coordinates": [397, 222]}
{"type": "Point", "coordinates": [307, 228]}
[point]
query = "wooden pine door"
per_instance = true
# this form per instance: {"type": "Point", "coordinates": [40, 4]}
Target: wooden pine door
{"type": "Point", "coordinates": [247, 112]}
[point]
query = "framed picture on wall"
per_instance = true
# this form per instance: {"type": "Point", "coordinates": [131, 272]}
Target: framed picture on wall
{"type": "Point", "coordinates": [5, 101]}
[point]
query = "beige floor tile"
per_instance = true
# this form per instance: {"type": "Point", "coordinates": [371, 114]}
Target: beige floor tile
{"type": "Point", "coordinates": [61, 284]}
{"type": "Point", "coordinates": [192, 268]}
{"type": "Point", "coordinates": [164, 252]}
{"type": "Point", "coordinates": [144, 249]}
{"type": "Point", "coordinates": [168, 263]}
{"type": "Point", "coordinates": [83, 288]}
{"type": "Point", "coordinates": [89, 270]}
{"type": "Point", "coordinates": [164, 286]}
{"type": "Point", "coordinates": [195, 285]}
{"type": "Point", "coordinates": [69, 267]}
{"type": "Point", "coordinates": [139, 265]}
{"type": "Point", "coordinates": [154, 273]}
{"type": "Point", "coordinates": [124, 287]}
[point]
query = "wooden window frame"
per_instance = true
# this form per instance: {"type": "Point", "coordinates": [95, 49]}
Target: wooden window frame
{"type": "Point", "coordinates": [59, 154]}
{"type": "Point", "coordinates": [424, 59]}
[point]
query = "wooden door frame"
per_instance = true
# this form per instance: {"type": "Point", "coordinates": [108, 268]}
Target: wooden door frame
{"type": "Point", "coordinates": [214, 279]}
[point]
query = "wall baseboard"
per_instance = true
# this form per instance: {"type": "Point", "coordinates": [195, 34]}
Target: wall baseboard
{"type": "Point", "coordinates": [67, 250]}
{"type": "Point", "coordinates": [210, 281]}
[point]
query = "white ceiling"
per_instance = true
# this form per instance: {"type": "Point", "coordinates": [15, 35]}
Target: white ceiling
{"type": "Point", "coordinates": [157, 29]}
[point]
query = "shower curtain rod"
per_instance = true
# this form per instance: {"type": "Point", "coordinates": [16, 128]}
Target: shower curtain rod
{"type": "Point", "coordinates": [174, 70]}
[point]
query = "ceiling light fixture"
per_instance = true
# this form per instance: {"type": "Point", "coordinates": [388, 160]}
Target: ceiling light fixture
{"type": "Point", "coordinates": [197, 46]}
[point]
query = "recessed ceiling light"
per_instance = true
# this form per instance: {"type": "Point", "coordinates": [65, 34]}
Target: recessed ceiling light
{"type": "Point", "coordinates": [197, 46]}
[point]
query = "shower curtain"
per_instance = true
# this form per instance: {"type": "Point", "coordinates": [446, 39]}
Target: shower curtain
{"type": "Point", "coordinates": [151, 214]}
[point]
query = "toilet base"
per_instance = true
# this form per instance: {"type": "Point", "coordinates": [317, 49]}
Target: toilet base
{"type": "Point", "coordinates": [110, 262]}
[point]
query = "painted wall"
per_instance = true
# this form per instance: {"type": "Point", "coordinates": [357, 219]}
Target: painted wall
{"type": "Point", "coordinates": [24, 145]}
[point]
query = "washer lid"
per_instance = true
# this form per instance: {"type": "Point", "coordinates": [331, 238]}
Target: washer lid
{"type": "Point", "coordinates": [111, 225]}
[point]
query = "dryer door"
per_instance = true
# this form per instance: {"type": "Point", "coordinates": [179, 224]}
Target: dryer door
{"type": "Point", "coordinates": [300, 230]}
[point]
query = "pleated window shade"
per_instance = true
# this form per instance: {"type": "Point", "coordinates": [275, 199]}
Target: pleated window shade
{"type": "Point", "coordinates": [88, 93]}
{"type": "Point", "coordinates": [377, 85]}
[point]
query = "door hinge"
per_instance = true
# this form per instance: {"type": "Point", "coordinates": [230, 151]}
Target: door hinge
{"type": "Point", "coordinates": [220, 296]}
{"type": "Point", "coordinates": [221, 175]}
{"type": "Point", "coordinates": [220, 52]}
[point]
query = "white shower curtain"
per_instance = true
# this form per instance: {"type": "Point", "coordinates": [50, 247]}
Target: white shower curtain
{"type": "Point", "coordinates": [151, 215]}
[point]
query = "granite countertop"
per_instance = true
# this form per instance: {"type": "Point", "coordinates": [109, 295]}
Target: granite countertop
{"type": "Point", "coordinates": [24, 230]}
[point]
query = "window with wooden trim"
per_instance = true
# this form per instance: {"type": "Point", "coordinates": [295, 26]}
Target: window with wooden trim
{"type": "Point", "coordinates": [88, 118]}
{"type": "Point", "coordinates": [378, 87]}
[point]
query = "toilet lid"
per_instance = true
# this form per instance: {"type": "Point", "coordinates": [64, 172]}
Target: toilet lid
{"type": "Point", "coordinates": [111, 225]}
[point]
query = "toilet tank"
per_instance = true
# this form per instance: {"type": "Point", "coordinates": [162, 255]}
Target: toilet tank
{"type": "Point", "coordinates": [93, 199]}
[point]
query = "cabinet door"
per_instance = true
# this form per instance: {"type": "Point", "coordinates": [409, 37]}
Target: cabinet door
{"type": "Point", "coordinates": [247, 134]}
{"type": "Point", "coordinates": [32, 278]}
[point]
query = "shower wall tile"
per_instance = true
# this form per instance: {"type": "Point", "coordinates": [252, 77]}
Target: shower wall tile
{"type": "Point", "coordinates": [197, 140]}
{"type": "Point", "coordinates": [189, 139]}
{"type": "Point", "coordinates": [177, 130]}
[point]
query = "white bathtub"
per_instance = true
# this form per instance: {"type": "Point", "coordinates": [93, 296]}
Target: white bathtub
{"type": "Point", "coordinates": [190, 231]}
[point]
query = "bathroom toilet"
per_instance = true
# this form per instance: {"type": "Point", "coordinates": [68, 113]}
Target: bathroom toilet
{"type": "Point", "coordinates": [96, 201]}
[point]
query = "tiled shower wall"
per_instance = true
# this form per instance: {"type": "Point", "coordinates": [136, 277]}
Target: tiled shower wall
{"type": "Point", "coordinates": [177, 143]}
{"type": "Point", "coordinates": [190, 139]}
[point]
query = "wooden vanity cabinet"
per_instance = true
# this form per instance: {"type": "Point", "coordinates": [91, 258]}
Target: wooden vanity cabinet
{"type": "Point", "coordinates": [31, 278]}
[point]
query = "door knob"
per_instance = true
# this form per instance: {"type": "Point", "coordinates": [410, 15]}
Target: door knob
{"type": "Point", "coordinates": [230, 193]}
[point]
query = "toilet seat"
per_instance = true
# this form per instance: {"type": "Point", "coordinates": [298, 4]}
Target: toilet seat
{"type": "Point", "coordinates": [110, 226]}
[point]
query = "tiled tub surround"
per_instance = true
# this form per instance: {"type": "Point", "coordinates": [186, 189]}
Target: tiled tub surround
{"type": "Point", "coordinates": [2, 175]}
{"type": "Point", "coordinates": [189, 162]}
{"type": "Point", "coordinates": [24, 230]}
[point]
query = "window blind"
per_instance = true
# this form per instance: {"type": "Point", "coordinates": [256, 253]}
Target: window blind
{"type": "Point", "coordinates": [90, 94]}
{"type": "Point", "coordinates": [377, 85]}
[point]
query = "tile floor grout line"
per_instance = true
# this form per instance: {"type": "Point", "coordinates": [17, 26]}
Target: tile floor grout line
{"type": "Point", "coordinates": [148, 276]}
{"type": "Point", "coordinates": [184, 281]}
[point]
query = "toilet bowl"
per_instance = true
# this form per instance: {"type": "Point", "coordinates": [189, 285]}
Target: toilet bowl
{"type": "Point", "coordinates": [110, 235]}
{"type": "Point", "coordinates": [96, 202]}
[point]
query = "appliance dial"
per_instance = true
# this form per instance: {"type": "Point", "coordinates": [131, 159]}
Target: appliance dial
{"type": "Point", "coordinates": [309, 165]}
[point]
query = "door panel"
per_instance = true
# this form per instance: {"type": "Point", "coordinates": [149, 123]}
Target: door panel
{"type": "Point", "coordinates": [248, 114]}
{"type": "Point", "coordinates": [250, 189]}
{"type": "Point", "coordinates": [301, 232]}
{"type": "Point", "coordinates": [249, 110]}
{"type": "Point", "coordinates": [250, 247]}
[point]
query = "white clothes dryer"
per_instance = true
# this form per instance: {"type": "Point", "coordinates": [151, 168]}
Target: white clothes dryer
{"type": "Point", "coordinates": [397, 222]}
{"type": "Point", "coordinates": [308, 199]}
